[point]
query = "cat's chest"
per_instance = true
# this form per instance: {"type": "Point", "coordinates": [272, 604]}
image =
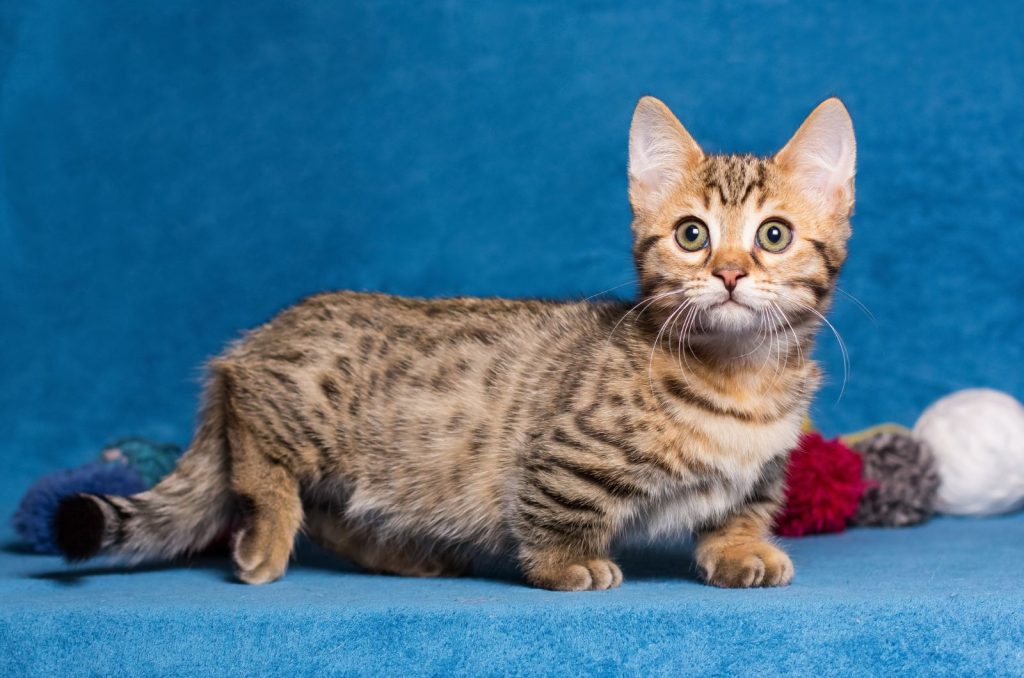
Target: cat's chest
{"type": "Point", "coordinates": [731, 427]}
{"type": "Point", "coordinates": [703, 446]}
{"type": "Point", "coordinates": [720, 466]}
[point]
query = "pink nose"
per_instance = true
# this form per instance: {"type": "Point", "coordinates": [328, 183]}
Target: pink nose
{"type": "Point", "coordinates": [730, 275]}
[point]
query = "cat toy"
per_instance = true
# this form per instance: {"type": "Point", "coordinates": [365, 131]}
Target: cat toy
{"type": "Point", "coordinates": [881, 477]}
{"type": "Point", "coordinates": [128, 466]}
{"type": "Point", "coordinates": [977, 437]}
{"type": "Point", "coordinates": [965, 456]}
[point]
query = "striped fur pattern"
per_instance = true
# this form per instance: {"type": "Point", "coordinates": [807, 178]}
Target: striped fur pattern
{"type": "Point", "coordinates": [409, 435]}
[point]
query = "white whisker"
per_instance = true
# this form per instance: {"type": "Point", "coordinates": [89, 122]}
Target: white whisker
{"type": "Point", "coordinates": [856, 301]}
{"type": "Point", "coordinates": [779, 365]}
{"type": "Point", "coordinates": [684, 337]}
{"type": "Point", "coordinates": [679, 348]}
{"type": "Point", "coordinates": [602, 292]}
{"type": "Point", "coordinates": [835, 332]}
{"type": "Point", "coordinates": [646, 303]}
{"type": "Point", "coordinates": [792, 330]}
{"type": "Point", "coordinates": [657, 340]}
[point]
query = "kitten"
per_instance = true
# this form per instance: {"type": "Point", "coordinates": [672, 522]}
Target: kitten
{"type": "Point", "coordinates": [408, 435]}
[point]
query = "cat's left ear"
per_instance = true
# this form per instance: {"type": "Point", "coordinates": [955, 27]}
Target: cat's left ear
{"type": "Point", "coordinates": [822, 156]}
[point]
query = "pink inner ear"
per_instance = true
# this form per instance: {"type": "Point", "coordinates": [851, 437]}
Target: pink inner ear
{"type": "Point", "coordinates": [655, 179]}
{"type": "Point", "coordinates": [821, 179]}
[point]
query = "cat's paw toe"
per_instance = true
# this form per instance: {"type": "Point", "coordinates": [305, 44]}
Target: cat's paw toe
{"type": "Point", "coordinates": [604, 574]}
{"type": "Point", "coordinates": [264, 573]}
{"type": "Point", "coordinates": [746, 565]}
{"type": "Point", "coordinates": [595, 574]}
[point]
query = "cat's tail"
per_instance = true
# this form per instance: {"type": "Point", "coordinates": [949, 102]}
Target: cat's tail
{"type": "Point", "coordinates": [182, 513]}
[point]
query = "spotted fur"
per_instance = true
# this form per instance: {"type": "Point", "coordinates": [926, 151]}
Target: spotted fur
{"type": "Point", "coordinates": [409, 435]}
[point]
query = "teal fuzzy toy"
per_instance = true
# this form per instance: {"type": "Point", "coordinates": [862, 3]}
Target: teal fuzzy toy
{"type": "Point", "coordinates": [126, 467]}
{"type": "Point", "coordinates": [152, 461]}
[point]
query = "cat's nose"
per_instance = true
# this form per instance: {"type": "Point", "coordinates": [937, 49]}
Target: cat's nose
{"type": "Point", "coordinates": [730, 275]}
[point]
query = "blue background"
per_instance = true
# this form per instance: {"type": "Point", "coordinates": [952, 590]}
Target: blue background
{"type": "Point", "coordinates": [173, 172]}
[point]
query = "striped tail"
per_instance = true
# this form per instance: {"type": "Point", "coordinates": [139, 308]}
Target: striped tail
{"type": "Point", "coordinates": [182, 513]}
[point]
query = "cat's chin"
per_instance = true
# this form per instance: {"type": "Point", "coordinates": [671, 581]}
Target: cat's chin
{"type": "Point", "coordinates": [732, 317]}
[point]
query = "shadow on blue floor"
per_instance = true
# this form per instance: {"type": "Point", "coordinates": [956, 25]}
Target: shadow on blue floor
{"type": "Point", "coordinates": [657, 563]}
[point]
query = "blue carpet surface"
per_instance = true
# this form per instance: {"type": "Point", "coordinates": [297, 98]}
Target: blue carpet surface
{"type": "Point", "coordinates": [172, 172]}
{"type": "Point", "coordinates": [941, 599]}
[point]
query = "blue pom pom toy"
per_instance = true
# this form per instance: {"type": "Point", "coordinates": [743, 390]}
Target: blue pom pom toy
{"type": "Point", "coordinates": [126, 467]}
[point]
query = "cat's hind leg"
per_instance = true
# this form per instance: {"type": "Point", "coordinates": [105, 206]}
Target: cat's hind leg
{"type": "Point", "coordinates": [271, 510]}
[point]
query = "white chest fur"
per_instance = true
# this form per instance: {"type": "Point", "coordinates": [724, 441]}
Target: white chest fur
{"type": "Point", "coordinates": [684, 509]}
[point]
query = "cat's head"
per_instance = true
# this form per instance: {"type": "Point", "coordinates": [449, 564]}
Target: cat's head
{"type": "Point", "coordinates": [732, 243]}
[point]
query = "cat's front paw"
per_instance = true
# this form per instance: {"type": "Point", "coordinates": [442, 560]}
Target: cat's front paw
{"type": "Point", "coordinates": [595, 574]}
{"type": "Point", "coordinates": [735, 566]}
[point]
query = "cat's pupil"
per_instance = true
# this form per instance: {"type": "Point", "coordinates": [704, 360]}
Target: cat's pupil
{"type": "Point", "coordinates": [692, 233]}
{"type": "Point", "coordinates": [774, 234]}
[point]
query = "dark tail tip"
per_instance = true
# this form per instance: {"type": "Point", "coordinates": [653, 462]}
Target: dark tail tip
{"type": "Point", "coordinates": [78, 527]}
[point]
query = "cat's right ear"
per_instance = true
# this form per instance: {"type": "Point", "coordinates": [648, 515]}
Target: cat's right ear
{"type": "Point", "coordinates": [661, 152]}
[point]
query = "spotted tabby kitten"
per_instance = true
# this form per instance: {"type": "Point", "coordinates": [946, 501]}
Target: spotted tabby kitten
{"type": "Point", "coordinates": [408, 434]}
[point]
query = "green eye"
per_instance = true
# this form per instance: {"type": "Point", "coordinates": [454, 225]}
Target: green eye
{"type": "Point", "coordinates": [692, 234]}
{"type": "Point", "coordinates": [774, 235]}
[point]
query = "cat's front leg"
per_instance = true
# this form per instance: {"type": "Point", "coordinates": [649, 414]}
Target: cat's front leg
{"type": "Point", "coordinates": [738, 553]}
{"type": "Point", "coordinates": [564, 537]}
{"type": "Point", "coordinates": [566, 569]}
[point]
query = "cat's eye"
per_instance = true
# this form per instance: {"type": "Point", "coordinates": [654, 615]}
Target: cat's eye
{"type": "Point", "coordinates": [692, 234]}
{"type": "Point", "coordinates": [774, 235]}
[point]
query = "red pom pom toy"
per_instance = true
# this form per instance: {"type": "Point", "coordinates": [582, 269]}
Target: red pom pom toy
{"type": "Point", "coordinates": [824, 485]}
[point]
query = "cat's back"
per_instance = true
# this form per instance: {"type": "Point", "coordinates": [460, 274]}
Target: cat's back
{"type": "Point", "coordinates": [378, 359]}
{"type": "Point", "coordinates": [355, 320]}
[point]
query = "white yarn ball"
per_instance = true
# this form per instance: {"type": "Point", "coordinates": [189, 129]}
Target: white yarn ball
{"type": "Point", "coordinates": [977, 437]}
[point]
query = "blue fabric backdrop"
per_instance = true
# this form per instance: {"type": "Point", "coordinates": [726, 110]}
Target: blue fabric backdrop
{"type": "Point", "coordinates": [173, 172]}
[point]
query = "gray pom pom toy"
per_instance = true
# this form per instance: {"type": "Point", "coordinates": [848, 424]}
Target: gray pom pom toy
{"type": "Point", "coordinates": [901, 476]}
